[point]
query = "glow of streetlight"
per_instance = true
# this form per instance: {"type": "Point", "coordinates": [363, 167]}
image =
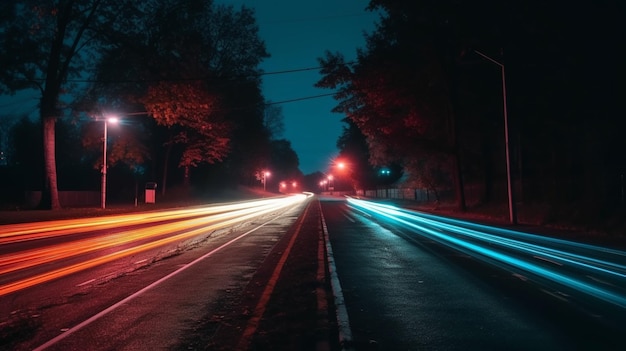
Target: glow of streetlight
{"type": "Point", "coordinates": [330, 182]}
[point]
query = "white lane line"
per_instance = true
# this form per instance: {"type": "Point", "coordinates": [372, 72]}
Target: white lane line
{"type": "Point", "coordinates": [104, 312]}
{"type": "Point", "coordinates": [349, 218]}
{"type": "Point", "coordinates": [320, 291]}
{"type": "Point", "coordinates": [548, 260]}
{"type": "Point", "coordinates": [343, 322]}
{"type": "Point", "coordinates": [600, 280]}
{"type": "Point", "coordinates": [140, 261]}
{"type": "Point", "coordinates": [87, 282]}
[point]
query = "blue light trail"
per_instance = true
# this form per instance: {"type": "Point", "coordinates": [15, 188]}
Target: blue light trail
{"type": "Point", "coordinates": [595, 271]}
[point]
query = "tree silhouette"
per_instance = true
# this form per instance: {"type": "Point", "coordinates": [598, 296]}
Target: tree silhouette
{"type": "Point", "coordinates": [45, 44]}
{"type": "Point", "coordinates": [192, 66]}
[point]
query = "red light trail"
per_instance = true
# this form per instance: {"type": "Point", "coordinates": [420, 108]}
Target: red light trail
{"type": "Point", "coordinates": [149, 230]}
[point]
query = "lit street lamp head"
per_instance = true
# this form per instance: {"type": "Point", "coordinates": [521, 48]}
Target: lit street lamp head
{"type": "Point", "coordinates": [265, 175]}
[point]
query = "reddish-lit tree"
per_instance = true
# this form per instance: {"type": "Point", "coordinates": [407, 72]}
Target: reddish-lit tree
{"type": "Point", "coordinates": [191, 108]}
{"type": "Point", "coordinates": [193, 66]}
{"type": "Point", "coordinates": [402, 108]}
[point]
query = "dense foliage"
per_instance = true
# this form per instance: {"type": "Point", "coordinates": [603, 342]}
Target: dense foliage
{"type": "Point", "coordinates": [183, 78]}
{"type": "Point", "coordinates": [423, 97]}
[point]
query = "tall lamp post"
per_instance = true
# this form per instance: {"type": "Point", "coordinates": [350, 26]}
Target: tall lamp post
{"type": "Point", "coordinates": [512, 216]}
{"type": "Point", "coordinates": [265, 175]}
{"type": "Point", "coordinates": [104, 162]}
{"type": "Point", "coordinates": [331, 184]}
{"type": "Point", "coordinates": [323, 184]}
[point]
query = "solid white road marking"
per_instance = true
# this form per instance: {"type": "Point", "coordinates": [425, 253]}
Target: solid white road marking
{"type": "Point", "coordinates": [343, 322]}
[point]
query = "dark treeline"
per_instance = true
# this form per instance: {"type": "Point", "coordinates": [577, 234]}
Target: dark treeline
{"type": "Point", "coordinates": [183, 78]}
{"type": "Point", "coordinates": [422, 97]}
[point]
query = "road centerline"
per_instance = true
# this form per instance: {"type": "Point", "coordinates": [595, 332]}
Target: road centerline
{"type": "Point", "coordinates": [259, 310]}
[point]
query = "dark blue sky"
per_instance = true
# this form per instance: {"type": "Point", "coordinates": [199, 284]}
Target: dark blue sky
{"type": "Point", "coordinates": [296, 33]}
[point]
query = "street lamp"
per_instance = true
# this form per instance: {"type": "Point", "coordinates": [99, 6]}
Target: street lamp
{"type": "Point", "coordinates": [104, 161]}
{"type": "Point", "coordinates": [331, 184]}
{"type": "Point", "coordinates": [265, 175]}
{"type": "Point", "coordinates": [512, 216]}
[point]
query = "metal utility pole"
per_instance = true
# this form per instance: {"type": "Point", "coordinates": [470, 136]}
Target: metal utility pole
{"type": "Point", "coordinates": [512, 214]}
{"type": "Point", "coordinates": [103, 187]}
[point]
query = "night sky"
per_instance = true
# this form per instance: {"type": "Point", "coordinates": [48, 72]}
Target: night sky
{"type": "Point", "coordinates": [296, 34]}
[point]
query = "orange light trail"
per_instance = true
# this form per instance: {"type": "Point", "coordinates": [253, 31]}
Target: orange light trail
{"type": "Point", "coordinates": [40, 230]}
{"type": "Point", "coordinates": [158, 234]}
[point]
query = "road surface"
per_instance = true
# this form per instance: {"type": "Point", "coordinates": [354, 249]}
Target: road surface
{"type": "Point", "coordinates": [113, 290]}
{"type": "Point", "coordinates": [314, 274]}
{"type": "Point", "coordinates": [405, 288]}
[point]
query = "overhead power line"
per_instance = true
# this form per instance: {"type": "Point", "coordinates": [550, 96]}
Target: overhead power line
{"type": "Point", "coordinates": [259, 74]}
{"type": "Point", "coordinates": [298, 99]}
{"type": "Point", "coordinates": [195, 79]}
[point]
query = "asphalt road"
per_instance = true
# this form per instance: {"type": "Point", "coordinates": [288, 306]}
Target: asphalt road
{"type": "Point", "coordinates": [403, 291]}
{"type": "Point", "coordinates": [157, 305]}
{"type": "Point", "coordinates": [320, 276]}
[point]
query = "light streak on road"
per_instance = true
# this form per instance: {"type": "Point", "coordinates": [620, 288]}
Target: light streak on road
{"type": "Point", "coordinates": [43, 230]}
{"type": "Point", "coordinates": [147, 235]}
{"type": "Point", "coordinates": [596, 271]}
